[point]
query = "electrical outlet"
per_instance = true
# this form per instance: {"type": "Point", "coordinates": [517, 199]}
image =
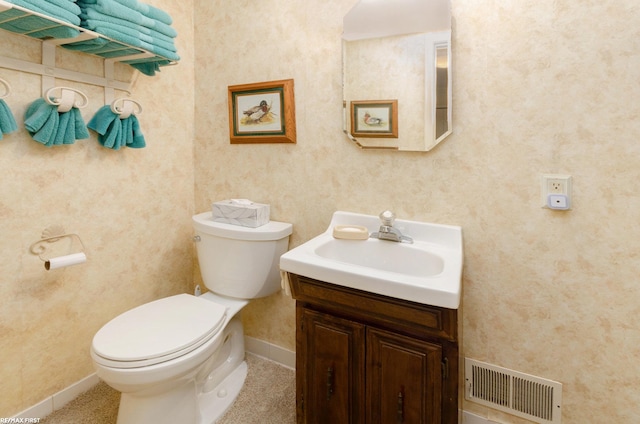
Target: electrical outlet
{"type": "Point", "coordinates": [556, 184]}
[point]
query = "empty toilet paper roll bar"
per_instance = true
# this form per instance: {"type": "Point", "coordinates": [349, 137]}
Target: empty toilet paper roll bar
{"type": "Point", "coordinates": [50, 236]}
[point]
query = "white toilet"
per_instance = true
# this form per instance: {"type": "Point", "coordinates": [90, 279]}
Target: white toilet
{"type": "Point", "coordinates": [181, 359]}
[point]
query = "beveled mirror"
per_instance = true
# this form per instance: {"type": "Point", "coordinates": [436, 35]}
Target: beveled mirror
{"type": "Point", "coordinates": [397, 74]}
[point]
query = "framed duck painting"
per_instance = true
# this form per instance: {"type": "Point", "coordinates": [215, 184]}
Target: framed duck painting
{"type": "Point", "coordinates": [262, 112]}
{"type": "Point", "coordinates": [374, 118]}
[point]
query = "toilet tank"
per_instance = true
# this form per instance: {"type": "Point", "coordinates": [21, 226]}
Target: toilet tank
{"type": "Point", "coordinates": [240, 262]}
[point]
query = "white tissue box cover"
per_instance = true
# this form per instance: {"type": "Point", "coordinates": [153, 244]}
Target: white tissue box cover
{"type": "Point", "coordinates": [247, 215]}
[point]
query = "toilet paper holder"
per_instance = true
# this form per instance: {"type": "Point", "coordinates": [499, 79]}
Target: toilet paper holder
{"type": "Point", "coordinates": [52, 235]}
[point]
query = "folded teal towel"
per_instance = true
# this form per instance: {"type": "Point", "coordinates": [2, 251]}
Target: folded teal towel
{"type": "Point", "coordinates": [111, 9]}
{"type": "Point", "coordinates": [19, 22]}
{"type": "Point", "coordinates": [132, 30]}
{"type": "Point", "coordinates": [146, 9]}
{"type": "Point", "coordinates": [7, 121]}
{"type": "Point", "coordinates": [113, 132]}
{"type": "Point", "coordinates": [47, 126]}
{"type": "Point", "coordinates": [90, 18]}
{"type": "Point", "coordinates": [65, 10]}
{"type": "Point", "coordinates": [133, 41]}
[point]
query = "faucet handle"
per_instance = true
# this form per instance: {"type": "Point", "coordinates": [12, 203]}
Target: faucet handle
{"type": "Point", "coordinates": [387, 218]}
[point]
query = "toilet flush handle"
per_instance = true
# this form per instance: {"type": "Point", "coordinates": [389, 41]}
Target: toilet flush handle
{"type": "Point", "coordinates": [196, 238]}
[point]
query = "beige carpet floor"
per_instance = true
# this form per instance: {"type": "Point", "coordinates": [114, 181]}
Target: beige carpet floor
{"type": "Point", "coordinates": [268, 397]}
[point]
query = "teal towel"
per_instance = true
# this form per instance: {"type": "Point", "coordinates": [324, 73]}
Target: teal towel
{"type": "Point", "coordinates": [110, 8]}
{"type": "Point", "coordinates": [103, 47]}
{"type": "Point", "coordinates": [113, 132]}
{"type": "Point", "coordinates": [41, 121]}
{"type": "Point", "coordinates": [133, 41]}
{"type": "Point", "coordinates": [146, 9]}
{"type": "Point", "coordinates": [102, 119]}
{"type": "Point", "coordinates": [137, 141]}
{"type": "Point", "coordinates": [82, 133]}
{"type": "Point", "coordinates": [7, 121]}
{"type": "Point", "coordinates": [65, 10]}
{"type": "Point", "coordinates": [47, 126]}
{"type": "Point", "coordinates": [157, 39]}
{"type": "Point", "coordinates": [148, 68]}
{"type": "Point", "coordinates": [66, 131]}
{"type": "Point", "coordinates": [19, 22]}
{"type": "Point", "coordinates": [90, 18]}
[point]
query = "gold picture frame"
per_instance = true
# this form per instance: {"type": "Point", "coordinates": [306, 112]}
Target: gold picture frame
{"type": "Point", "coordinates": [374, 118]}
{"type": "Point", "coordinates": [262, 112]}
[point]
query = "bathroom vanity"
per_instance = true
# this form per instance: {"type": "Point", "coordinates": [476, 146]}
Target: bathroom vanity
{"type": "Point", "coordinates": [363, 357]}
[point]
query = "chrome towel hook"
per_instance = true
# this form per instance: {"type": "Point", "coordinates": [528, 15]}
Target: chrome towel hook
{"type": "Point", "coordinates": [126, 108]}
{"type": "Point", "coordinates": [67, 99]}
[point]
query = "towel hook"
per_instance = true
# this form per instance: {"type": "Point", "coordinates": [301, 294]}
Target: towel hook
{"type": "Point", "coordinates": [128, 107]}
{"type": "Point", "coordinates": [67, 98]}
{"type": "Point", "coordinates": [7, 89]}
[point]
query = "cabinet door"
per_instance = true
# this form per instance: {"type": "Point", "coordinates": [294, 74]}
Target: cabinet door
{"type": "Point", "coordinates": [404, 379]}
{"type": "Point", "coordinates": [333, 383]}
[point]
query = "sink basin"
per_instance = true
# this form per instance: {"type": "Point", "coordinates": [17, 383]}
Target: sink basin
{"type": "Point", "coordinates": [428, 271]}
{"type": "Point", "coordinates": [384, 256]}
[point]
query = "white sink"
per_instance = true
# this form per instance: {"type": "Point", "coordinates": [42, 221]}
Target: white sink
{"type": "Point", "coordinates": [428, 271]}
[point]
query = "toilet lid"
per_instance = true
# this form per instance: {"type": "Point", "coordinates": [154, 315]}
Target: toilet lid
{"type": "Point", "coordinates": [159, 330]}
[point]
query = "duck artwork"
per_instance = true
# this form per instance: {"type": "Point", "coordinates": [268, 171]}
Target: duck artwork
{"type": "Point", "coordinates": [372, 121]}
{"type": "Point", "coordinates": [258, 114]}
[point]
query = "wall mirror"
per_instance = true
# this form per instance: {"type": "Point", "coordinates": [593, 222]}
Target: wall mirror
{"type": "Point", "coordinates": [397, 74]}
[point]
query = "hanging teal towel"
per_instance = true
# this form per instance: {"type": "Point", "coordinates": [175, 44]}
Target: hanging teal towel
{"type": "Point", "coordinates": [7, 121]}
{"type": "Point", "coordinates": [148, 68]}
{"type": "Point", "coordinates": [47, 126]}
{"type": "Point", "coordinates": [41, 121]}
{"type": "Point", "coordinates": [137, 141]}
{"type": "Point", "coordinates": [113, 132]}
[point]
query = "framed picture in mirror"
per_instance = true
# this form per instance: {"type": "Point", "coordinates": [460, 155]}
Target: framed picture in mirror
{"type": "Point", "coordinates": [262, 112]}
{"type": "Point", "coordinates": [374, 118]}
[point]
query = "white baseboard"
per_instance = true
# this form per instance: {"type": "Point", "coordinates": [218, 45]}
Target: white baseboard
{"type": "Point", "coordinates": [60, 399]}
{"type": "Point", "coordinates": [284, 357]}
{"type": "Point", "coordinates": [469, 418]}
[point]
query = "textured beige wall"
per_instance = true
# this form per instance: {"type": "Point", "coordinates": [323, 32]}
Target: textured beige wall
{"type": "Point", "coordinates": [131, 208]}
{"type": "Point", "coordinates": [546, 86]}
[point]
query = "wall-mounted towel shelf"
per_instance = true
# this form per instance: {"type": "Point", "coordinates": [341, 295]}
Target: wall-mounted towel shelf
{"type": "Point", "coordinates": [112, 51]}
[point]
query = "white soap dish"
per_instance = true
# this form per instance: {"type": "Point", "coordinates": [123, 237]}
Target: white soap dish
{"type": "Point", "coordinates": [350, 232]}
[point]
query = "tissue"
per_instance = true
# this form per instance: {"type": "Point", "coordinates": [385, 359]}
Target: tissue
{"type": "Point", "coordinates": [242, 212]}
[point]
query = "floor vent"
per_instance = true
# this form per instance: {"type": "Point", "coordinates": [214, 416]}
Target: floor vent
{"type": "Point", "coordinates": [524, 395]}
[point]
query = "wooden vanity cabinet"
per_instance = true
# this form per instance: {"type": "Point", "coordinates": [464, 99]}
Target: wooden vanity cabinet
{"type": "Point", "coordinates": [367, 358]}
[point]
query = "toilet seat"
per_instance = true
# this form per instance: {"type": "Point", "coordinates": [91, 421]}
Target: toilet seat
{"type": "Point", "coordinates": [157, 331]}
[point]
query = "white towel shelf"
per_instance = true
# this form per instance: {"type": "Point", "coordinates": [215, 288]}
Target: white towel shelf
{"type": "Point", "coordinates": [116, 51]}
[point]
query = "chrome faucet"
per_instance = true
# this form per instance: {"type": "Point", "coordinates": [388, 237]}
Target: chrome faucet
{"type": "Point", "coordinates": [387, 230]}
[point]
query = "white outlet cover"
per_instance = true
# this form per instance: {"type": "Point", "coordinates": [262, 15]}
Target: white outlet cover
{"type": "Point", "coordinates": [564, 180]}
{"type": "Point", "coordinates": [558, 201]}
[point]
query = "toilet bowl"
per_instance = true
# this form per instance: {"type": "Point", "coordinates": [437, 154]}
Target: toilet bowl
{"type": "Point", "coordinates": [181, 358]}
